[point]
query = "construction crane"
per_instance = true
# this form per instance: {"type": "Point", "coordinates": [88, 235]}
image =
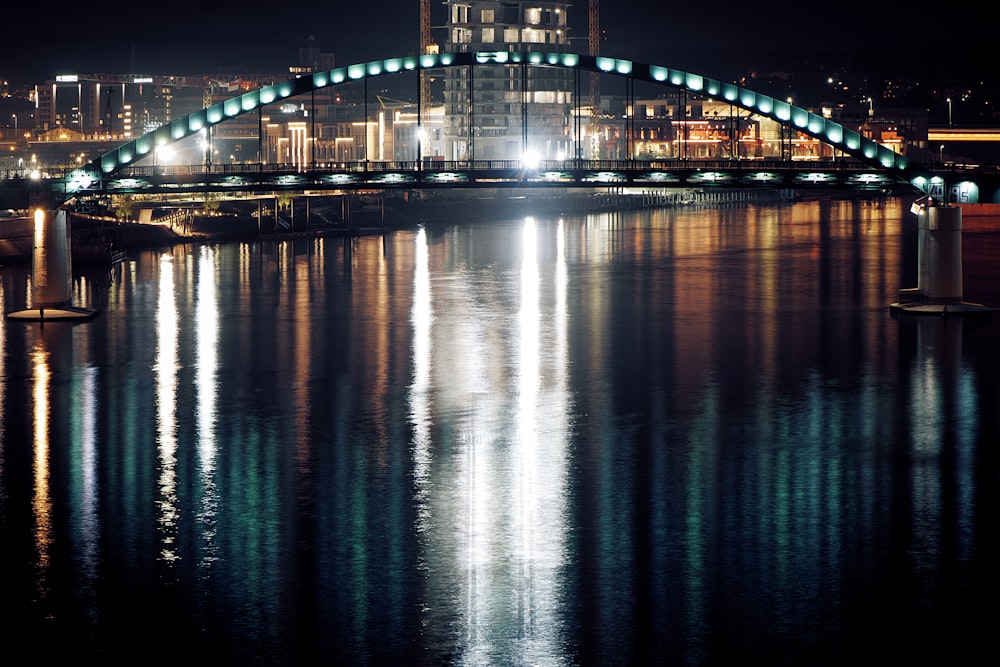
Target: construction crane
{"type": "Point", "coordinates": [425, 45]}
{"type": "Point", "coordinates": [393, 105]}
{"type": "Point", "coordinates": [595, 44]}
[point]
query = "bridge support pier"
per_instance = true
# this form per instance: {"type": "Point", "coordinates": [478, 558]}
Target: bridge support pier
{"type": "Point", "coordinates": [939, 264]}
{"type": "Point", "coordinates": [51, 272]}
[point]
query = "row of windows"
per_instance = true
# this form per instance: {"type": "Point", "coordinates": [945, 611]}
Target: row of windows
{"type": "Point", "coordinates": [510, 36]}
{"type": "Point", "coordinates": [533, 97]}
{"type": "Point", "coordinates": [510, 14]}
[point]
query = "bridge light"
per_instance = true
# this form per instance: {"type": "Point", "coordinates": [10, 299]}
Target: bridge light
{"type": "Point", "coordinates": [530, 159]}
{"type": "Point", "coordinates": [163, 154]}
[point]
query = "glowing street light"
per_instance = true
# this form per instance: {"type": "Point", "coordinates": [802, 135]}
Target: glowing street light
{"type": "Point", "coordinates": [949, 112]}
{"type": "Point", "coordinates": [530, 160]}
{"type": "Point", "coordinates": [163, 155]}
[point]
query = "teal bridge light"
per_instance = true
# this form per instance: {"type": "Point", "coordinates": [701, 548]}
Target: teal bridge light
{"type": "Point", "coordinates": [823, 129]}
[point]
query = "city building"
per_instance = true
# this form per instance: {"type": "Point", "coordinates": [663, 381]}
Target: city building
{"type": "Point", "coordinates": [514, 110]}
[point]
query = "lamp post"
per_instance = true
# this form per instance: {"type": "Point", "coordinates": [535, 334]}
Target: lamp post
{"type": "Point", "coordinates": [14, 116]}
{"type": "Point", "coordinates": [949, 112]}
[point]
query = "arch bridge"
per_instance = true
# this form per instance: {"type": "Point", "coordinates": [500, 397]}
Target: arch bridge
{"type": "Point", "coordinates": [863, 164]}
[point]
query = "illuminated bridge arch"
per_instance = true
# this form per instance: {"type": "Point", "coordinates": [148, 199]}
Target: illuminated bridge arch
{"type": "Point", "coordinates": [827, 131]}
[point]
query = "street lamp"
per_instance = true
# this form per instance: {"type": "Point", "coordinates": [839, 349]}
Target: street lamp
{"type": "Point", "coordinates": [941, 154]}
{"type": "Point", "coordinates": [14, 116]}
{"type": "Point", "coordinates": [949, 112]}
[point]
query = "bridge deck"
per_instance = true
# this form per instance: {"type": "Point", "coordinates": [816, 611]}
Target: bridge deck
{"type": "Point", "coordinates": [742, 173]}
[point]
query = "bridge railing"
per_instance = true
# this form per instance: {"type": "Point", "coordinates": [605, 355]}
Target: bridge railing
{"type": "Point", "coordinates": [840, 164]}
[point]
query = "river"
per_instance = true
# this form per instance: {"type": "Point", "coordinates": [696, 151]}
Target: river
{"type": "Point", "coordinates": [690, 436]}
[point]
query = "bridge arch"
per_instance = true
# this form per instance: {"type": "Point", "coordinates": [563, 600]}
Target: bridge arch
{"type": "Point", "coordinates": [813, 125]}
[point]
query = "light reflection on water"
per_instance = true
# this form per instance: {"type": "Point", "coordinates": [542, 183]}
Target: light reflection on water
{"type": "Point", "coordinates": [165, 370]}
{"type": "Point", "coordinates": [695, 435]}
{"type": "Point", "coordinates": [207, 397]}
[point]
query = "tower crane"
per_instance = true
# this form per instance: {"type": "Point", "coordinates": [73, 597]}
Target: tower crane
{"type": "Point", "coordinates": [425, 43]}
{"type": "Point", "coordinates": [594, 16]}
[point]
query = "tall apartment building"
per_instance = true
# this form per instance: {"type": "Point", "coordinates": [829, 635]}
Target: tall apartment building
{"type": "Point", "coordinates": [505, 95]}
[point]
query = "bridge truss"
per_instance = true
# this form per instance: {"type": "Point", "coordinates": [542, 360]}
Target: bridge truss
{"type": "Point", "coordinates": [119, 164]}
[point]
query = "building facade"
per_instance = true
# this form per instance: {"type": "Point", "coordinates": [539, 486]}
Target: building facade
{"type": "Point", "coordinates": [514, 110]}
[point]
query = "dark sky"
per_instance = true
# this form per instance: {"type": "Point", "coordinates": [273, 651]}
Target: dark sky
{"type": "Point", "coordinates": [207, 37]}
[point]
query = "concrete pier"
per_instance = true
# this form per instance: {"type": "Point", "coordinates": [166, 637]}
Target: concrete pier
{"type": "Point", "coordinates": [51, 272]}
{"type": "Point", "coordinates": [939, 264]}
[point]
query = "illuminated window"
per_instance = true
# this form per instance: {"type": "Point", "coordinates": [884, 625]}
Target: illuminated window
{"type": "Point", "coordinates": [459, 13]}
{"type": "Point", "coordinates": [532, 36]}
{"type": "Point", "coordinates": [487, 35]}
{"type": "Point", "coordinates": [488, 16]}
{"type": "Point", "coordinates": [533, 16]}
{"type": "Point", "coordinates": [510, 35]}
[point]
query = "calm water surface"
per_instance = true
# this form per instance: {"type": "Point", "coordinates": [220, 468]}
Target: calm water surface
{"type": "Point", "coordinates": [682, 437]}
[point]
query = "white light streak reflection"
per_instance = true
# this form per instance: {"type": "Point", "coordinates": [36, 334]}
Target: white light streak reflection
{"type": "Point", "coordinates": [421, 318]}
{"type": "Point", "coordinates": [89, 526]}
{"type": "Point", "coordinates": [165, 374]}
{"type": "Point", "coordinates": [516, 477]}
{"type": "Point", "coordinates": [206, 385]}
{"type": "Point", "coordinates": [489, 411]}
{"type": "Point", "coordinates": [42, 500]}
{"type": "Point", "coordinates": [539, 492]}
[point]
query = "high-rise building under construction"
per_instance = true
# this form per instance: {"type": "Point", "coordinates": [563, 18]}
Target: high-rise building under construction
{"type": "Point", "coordinates": [514, 110]}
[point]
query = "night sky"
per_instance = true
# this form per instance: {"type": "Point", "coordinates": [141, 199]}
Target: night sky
{"type": "Point", "coordinates": [209, 37]}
